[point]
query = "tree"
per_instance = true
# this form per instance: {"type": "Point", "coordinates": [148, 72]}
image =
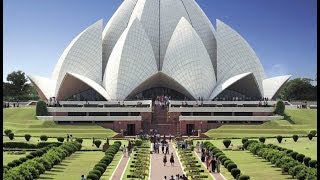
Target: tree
{"type": "Point", "coordinates": [97, 143]}
{"type": "Point", "coordinates": [227, 142]}
{"type": "Point", "coordinates": [279, 138]}
{"type": "Point", "coordinates": [299, 89]}
{"type": "Point", "coordinates": [310, 136]}
{"type": "Point", "coordinates": [279, 108]}
{"type": "Point", "coordinates": [18, 82]}
{"type": "Point", "coordinates": [41, 109]}
{"type": "Point", "coordinates": [262, 139]}
{"type": "Point", "coordinates": [295, 138]}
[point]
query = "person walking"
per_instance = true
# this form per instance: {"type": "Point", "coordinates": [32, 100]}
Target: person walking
{"type": "Point", "coordinates": [92, 141]}
{"type": "Point", "coordinates": [218, 165]}
{"type": "Point", "coordinates": [162, 148]}
{"type": "Point", "coordinates": [207, 159]}
{"type": "Point", "coordinates": [165, 178]}
{"type": "Point", "coordinates": [213, 164]}
{"type": "Point", "coordinates": [124, 150]}
{"type": "Point", "coordinates": [167, 148]}
{"type": "Point", "coordinates": [172, 159]}
{"type": "Point", "coordinates": [82, 177]}
{"type": "Point", "coordinates": [203, 157]}
{"type": "Point", "coordinates": [164, 160]}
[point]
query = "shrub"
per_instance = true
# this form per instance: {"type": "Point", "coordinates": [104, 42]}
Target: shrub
{"type": "Point", "coordinates": [279, 138]}
{"type": "Point", "coordinates": [221, 157]}
{"type": "Point", "coordinates": [97, 143]}
{"type": "Point", "coordinates": [288, 151]}
{"type": "Point", "coordinates": [262, 139]}
{"type": "Point", "coordinates": [224, 159]}
{"type": "Point", "coordinates": [41, 109]}
{"type": "Point", "coordinates": [138, 142]}
{"type": "Point", "coordinates": [310, 136]}
{"type": "Point", "coordinates": [92, 176]}
{"type": "Point", "coordinates": [27, 137]}
{"type": "Point", "coordinates": [244, 177]}
{"type": "Point", "coordinates": [43, 138]}
{"type": "Point", "coordinates": [23, 159]}
{"type": "Point", "coordinates": [97, 172]}
{"type": "Point", "coordinates": [99, 168]}
{"type": "Point", "coordinates": [227, 142]}
{"type": "Point", "coordinates": [244, 140]}
{"type": "Point", "coordinates": [230, 166]}
{"type": "Point", "coordinates": [306, 161]}
{"type": "Point", "coordinates": [227, 162]}
{"type": "Point", "coordinates": [60, 139]}
{"type": "Point", "coordinates": [280, 107]}
{"type": "Point", "coordinates": [293, 154]}
{"type": "Point", "coordinates": [11, 136]}
{"type": "Point", "coordinates": [295, 138]}
{"type": "Point", "coordinates": [295, 170]}
{"type": "Point", "coordinates": [7, 131]}
{"type": "Point", "coordinates": [79, 140]}
{"type": "Point", "coordinates": [313, 163]}
{"type": "Point", "coordinates": [11, 164]}
{"type": "Point", "coordinates": [29, 156]}
{"type": "Point", "coordinates": [300, 157]}
{"type": "Point", "coordinates": [48, 144]}
{"type": "Point", "coordinates": [235, 172]}
{"type": "Point", "coordinates": [313, 132]}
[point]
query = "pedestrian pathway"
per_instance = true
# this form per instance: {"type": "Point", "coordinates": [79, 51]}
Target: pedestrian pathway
{"type": "Point", "coordinates": [120, 168]}
{"type": "Point", "coordinates": [158, 170]}
{"type": "Point", "coordinates": [217, 176]}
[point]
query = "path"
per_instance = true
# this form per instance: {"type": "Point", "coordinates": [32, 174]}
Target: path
{"type": "Point", "coordinates": [217, 176]}
{"type": "Point", "coordinates": [158, 170]}
{"type": "Point", "coordinates": [120, 168]}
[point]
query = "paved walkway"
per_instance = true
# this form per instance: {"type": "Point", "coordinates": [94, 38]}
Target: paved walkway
{"type": "Point", "coordinates": [158, 170]}
{"type": "Point", "coordinates": [120, 169]}
{"type": "Point", "coordinates": [217, 176]}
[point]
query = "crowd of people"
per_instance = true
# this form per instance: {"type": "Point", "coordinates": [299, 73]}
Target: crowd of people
{"type": "Point", "coordinates": [162, 101]}
{"type": "Point", "coordinates": [176, 177]}
{"type": "Point", "coordinates": [208, 158]}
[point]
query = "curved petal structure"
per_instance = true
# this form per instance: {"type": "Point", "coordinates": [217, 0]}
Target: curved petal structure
{"type": "Point", "coordinates": [244, 83]}
{"type": "Point", "coordinates": [114, 28]}
{"type": "Point", "coordinates": [188, 62]}
{"type": "Point", "coordinates": [44, 86]}
{"type": "Point", "coordinates": [235, 56]}
{"type": "Point", "coordinates": [271, 86]}
{"type": "Point", "coordinates": [82, 56]}
{"type": "Point", "coordinates": [202, 25]}
{"type": "Point", "coordinates": [74, 83]}
{"type": "Point", "coordinates": [129, 64]}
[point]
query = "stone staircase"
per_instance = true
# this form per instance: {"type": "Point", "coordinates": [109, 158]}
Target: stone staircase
{"type": "Point", "coordinates": [161, 124]}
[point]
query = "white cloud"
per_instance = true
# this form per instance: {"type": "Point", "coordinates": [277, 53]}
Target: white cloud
{"type": "Point", "coordinates": [277, 70]}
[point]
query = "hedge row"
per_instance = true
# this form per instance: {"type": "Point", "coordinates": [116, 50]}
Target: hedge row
{"type": "Point", "coordinates": [225, 161]}
{"type": "Point", "coordinates": [31, 169]}
{"type": "Point", "coordinates": [290, 162]}
{"type": "Point", "coordinates": [190, 164]}
{"type": "Point", "coordinates": [102, 165]}
{"type": "Point", "coordinates": [29, 146]}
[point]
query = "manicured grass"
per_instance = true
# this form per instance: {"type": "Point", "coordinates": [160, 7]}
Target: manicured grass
{"type": "Point", "coordinates": [303, 145]}
{"type": "Point", "coordinates": [10, 157]}
{"type": "Point", "coordinates": [112, 166]}
{"type": "Point", "coordinates": [74, 166]}
{"type": "Point", "coordinates": [23, 121]}
{"type": "Point", "coordinates": [254, 166]}
{"type": "Point", "coordinates": [297, 121]}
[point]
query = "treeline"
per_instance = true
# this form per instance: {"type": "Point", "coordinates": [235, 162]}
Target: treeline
{"type": "Point", "coordinates": [299, 89]}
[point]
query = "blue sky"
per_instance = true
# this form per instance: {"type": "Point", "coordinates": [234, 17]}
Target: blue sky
{"type": "Point", "coordinates": [282, 33]}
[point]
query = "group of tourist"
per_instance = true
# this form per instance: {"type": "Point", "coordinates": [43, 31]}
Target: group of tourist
{"type": "Point", "coordinates": [208, 158]}
{"type": "Point", "coordinates": [162, 101]}
{"type": "Point", "coordinates": [177, 177]}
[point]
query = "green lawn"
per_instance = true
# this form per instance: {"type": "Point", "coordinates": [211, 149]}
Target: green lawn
{"type": "Point", "coordinates": [74, 166]}
{"type": "Point", "coordinates": [10, 157]}
{"type": "Point", "coordinates": [254, 166]}
{"type": "Point", "coordinates": [303, 145]}
{"type": "Point", "coordinates": [23, 120]}
{"type": "Point", "coordinates": [297, 121]}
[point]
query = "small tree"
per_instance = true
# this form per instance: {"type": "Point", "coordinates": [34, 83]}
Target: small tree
{"type": "Point", "coordinates": [280, 107]}
{"type": "Point", "coordinates": [306, 160]}
{"type": "Point", "coordinates": [300, 157]}
{"type": "Point", "coordinates": [262, 139]}
{"type": "Point", "coordinates": [235, 172]}
{"type": "Point", "coordinates": [295, 138]}
{"type": "Point", "coordinates": [11, 136]}
{"type": "Point", "coordinates": [227, 142]}
{"type": "Point", "coordinates": [244, 140]}
{"type": "Point", "coordinates": [43, 138]}
{"type": "Point", "coordinates": [97, 143]}
{"type": "Point", "coordinates": [279, 138]}
{"type": "Point", "coordinates": [244, 177]}
{"type": "Point", "coordinates": [314, 132]}
{"type": "Point", "coordinates": [313, 163]}
{"type": "Point", "coordinates": [41, 109]}
{"type": "Point", "coordinates": [79, 140]}
{"type": "Point", "coordinates": [60, 139]}
{"type": "Point", "coordinates": [310, 136]}
{"type": "Point", "coordinates": [7, 131]}
{"type": "Point", "coordinates": [27, 137]}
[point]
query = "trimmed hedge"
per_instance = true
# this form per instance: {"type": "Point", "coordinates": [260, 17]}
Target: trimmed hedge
{"type": "Point", "coordinates": [226, 142]}
{"type": "Point", "coordinates": [310, 136]}
{"type": "Point", "coordinates": [244, 177]}
{"type": "Point", "coordinates": [235, 172]}
{"type": "Point", "coordinates": [27, 137]}
{"type": "Point", "coordinates": [11, 135]}
{"type": "Point", "coordinates": [313, 163]}
{"type": "Point", "coordinates": [295, 138]}
{"type": "Point", "coordinates": [7, 131]}
{"type": "Point", "coordinates": [279, 138]}
{"type": "Point", "coordinates": [97, 143]}
{"type": "Point", "coordinates": [306, 160]}
{"type": "Point", "coordinates": [60, 139]}
{"type": "Point", "coordinates": [262, 139]}
{"type": "Point", "coordinates": [244, 140]}
{"type": "Point", "coordinates": [43, 138]}
{"type": "Point", "coordinates": [41, 109]}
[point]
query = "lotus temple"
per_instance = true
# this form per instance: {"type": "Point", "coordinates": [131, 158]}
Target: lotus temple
{"type": "Point", "coordinates": [117, 75]}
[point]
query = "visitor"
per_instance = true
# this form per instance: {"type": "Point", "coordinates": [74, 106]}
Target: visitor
{"type": "Point", "coordinates": [172, 159]}
{"type": "Point", "coordinates": [184, 177]}
{"type": "Point", "coordinates": [198, 147]}
{"type": "Point", "coordinates": [68, 137]}
{"type": "Point", "coordinates": [165, 178]}
{"type": "Point", "coordinates": [202, 157]}
{"type": "Point", "coordinates": [172, 177]}
{"type": "Point", "coordinates": [92, 141]}
{"type": "Point", "coordinates": [162, 148]}
{"type": "Point", "coordinates": [124, 150]}
{"type": "Point", "coordinates": [213, 164]}
{"type": "Point", "coordinates": [207, 159]}
{"type": "Point", "coordinates": [169, 137]}
{"type": "Point", "coordinates": [164, 160]}
{"type": "Point", "coordinates": [177, 177]}
{"type": "Point", "coordinates": [167, 148]}
{"type": "Point", "coordinates": [82, 177]}
{"type": "Point", "coordinates": [218, 165]}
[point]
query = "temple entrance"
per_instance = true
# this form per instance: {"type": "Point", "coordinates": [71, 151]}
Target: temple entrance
{"type": "Point", "coordinates": [131, 129]}
{"type": "Point", "coordinates": [190, 128]}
